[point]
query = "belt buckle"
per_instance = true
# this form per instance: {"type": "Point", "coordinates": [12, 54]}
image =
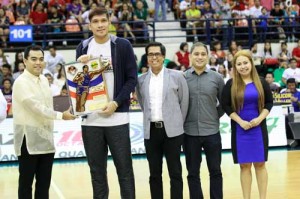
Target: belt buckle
{"type": "Point", "coordinates": [159, 125]}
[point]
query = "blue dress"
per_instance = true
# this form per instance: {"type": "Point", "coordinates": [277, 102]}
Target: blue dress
{"type": "Point", "coordinates": [250, 145]}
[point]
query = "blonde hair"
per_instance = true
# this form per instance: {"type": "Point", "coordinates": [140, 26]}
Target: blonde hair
{"type": "Point", "coordinates": [238, 85]}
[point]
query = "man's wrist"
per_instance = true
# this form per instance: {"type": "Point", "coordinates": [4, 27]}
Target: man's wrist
{"type": "Point", "coordinates": [59, 115]}
{"type": "Point", "coordinates": [116, 103]}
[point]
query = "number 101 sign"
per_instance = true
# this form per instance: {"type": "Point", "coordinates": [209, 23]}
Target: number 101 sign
{"type": "Point", "coordinates": [20, 33]}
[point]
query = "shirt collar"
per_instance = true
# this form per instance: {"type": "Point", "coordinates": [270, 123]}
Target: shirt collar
{"type": "Point", "coordinates": [160, 74]}
{"type": "Point", "coordinates": [31, 76]}
{"type": "Point", "coordinates": [193, 70]}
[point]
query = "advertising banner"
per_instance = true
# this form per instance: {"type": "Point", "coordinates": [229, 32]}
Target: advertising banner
{"type": "Point", "coordinates": [68, 140]}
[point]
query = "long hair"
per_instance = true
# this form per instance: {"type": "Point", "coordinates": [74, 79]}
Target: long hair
{"type": "Point", "coordinates": [60, 71]}
{"type": "Point", "coordinates": [230, 46]}
{"type": "Point", "coordinates": [266, 50]}
{"type": "Point", "coordinates": [17, 61]}
{"type": "Point", "coordinates": [238, 85]}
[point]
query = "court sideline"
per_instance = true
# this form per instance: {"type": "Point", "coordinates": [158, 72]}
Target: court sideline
{"type": "Point", "coordinates": [71, 179]}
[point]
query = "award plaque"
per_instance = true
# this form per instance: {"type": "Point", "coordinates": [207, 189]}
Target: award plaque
{"type": "Point", "coordinates": [86, 85]}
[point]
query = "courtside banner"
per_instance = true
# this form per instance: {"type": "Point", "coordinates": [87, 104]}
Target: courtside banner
{"type": "Point", "coordinates": [68, 140]}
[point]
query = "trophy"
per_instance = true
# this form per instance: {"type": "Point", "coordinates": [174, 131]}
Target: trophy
{"type": "Point", "coordinates": [86, 85]}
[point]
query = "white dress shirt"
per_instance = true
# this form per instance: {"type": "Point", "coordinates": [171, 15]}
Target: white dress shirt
{"type": "Point", "coordinates": [3, 107]}
{"type": "Point", "coordinates": [156, 95]}
{"type": "Point", "coordinates": [33, 114]}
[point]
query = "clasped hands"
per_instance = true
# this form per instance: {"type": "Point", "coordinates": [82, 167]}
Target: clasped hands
{"type": "Point", "coordinates": [248, 125]}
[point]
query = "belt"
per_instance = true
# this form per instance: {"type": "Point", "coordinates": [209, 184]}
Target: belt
{"type": "Point", "coordinates": [158, 125]}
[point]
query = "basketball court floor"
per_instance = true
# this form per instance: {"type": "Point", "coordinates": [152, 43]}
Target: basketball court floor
{"type": "Point", "coordinates": [71, 178]}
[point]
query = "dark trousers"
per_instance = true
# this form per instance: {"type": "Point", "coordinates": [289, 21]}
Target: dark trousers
{"type": "Point", "coordinates": [38, 166]}
{"type": "Point", "coordinates": [96, 142]}
{"type": "Point", "coordinates": [212, 148]}
{"type": "Point", "coordinates": [157, 146]}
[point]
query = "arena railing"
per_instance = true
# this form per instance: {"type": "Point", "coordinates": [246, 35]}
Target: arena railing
{"type": "Point", "coordinates": [243, 30]}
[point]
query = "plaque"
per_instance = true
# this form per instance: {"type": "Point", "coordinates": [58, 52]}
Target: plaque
{"type": "Point", "coordinates": [86, 85]}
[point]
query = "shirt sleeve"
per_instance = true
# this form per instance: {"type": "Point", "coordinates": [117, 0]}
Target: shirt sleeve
{"type": "Point", "coordinates": [130, 75]}
{"type": "Point", "coordinates": [221, 85]}
{"type": "Point", "coordinates": [284, 74]}
{"type": "Point", "coordinates": [268, 95]}
{"type": "Point", "coordinates": [226, 98]}
{"type": "Point", "coordinates": [29, 100]}
{"type": "Point", "coordinates": [139, 96]}
{"type": "Point", "coordinates": [183, 92]}
{"type": "Point", "coordinates": [3, 107]}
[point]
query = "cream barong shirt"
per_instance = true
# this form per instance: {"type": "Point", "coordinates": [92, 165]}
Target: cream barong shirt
{"type": "Point", "coordinates": [33, 114]}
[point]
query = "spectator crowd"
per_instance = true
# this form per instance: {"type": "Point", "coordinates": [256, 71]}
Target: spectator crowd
{"type": "Point", "coordinates": [72, 16]}
{"type": "Point", "coordinates": [228, 17]}
{"type": "Point", "coordinates": [130, 18]}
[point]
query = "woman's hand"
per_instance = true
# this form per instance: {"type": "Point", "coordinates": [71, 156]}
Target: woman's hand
{"type": "Point", "coordinates": [255, 122]}
{"type": "Point", "coordinates": [245, 125]}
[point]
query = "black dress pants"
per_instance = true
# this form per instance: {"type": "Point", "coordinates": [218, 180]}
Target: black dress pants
{"type": "Point", "coordinates": [158, 145]}
{"type": "Point", "coordinates": [38, 166]}
{"type": "Point", "coordinates": [96, 141]}
{"type": "Point", "coordinates": [212, 147]}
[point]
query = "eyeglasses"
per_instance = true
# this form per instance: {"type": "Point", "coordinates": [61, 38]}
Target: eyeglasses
{"type": "Point", "coordinates": [151, 55]}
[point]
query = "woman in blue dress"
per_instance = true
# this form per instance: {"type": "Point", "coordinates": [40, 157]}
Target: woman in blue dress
{"type": "Point", "coordinates": [247, 100]}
